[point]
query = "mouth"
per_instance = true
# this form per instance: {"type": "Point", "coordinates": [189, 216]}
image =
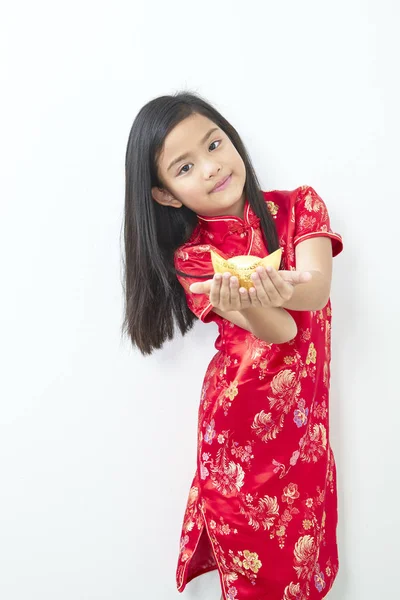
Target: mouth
{"type": "Point", "coordinates": [222, 184]}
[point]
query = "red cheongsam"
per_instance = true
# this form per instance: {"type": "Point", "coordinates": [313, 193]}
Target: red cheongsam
{"type": "Point", "coordinates": [262, 507]}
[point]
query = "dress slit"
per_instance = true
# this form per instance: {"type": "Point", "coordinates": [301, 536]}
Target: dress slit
{"type": "Point", "coordinates": [203, 558]}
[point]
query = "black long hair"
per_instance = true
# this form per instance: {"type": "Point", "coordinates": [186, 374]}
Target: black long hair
{"type": "Point", "coordinates": [152, 232]}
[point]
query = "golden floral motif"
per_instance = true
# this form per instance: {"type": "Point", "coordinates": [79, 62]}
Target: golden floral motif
{"type": "Point", "coordinates": [312, 354]}
{"type": "Point", "coordinates": [328, 329]}
{"type": "Point", "coordinates": [289, 257]}
{"type": "Point", "coordinates": [326, 374]}
{"type": "Point", "coordinates": [280, 532]}
{"type": "Point", "coordinates": [305, 552]}
{"type": "Point", "coordinates": [292, 592]}
{"type": "Point", "coordinates": [227, 476]}
{"type": "Point", "coordinates": [323, 519]}
{"type": "Point", "coordinates": [262, 514]}
{"type": "Point", "coordinates": [265, 426]}
{"type": "Point", "coordinates": [257, 246]}
{"type": "Point", "coordinates": [232, 391]}
{"type": "Point", "coordinates": [312, 204]}
{"type": "Point", "coordinates": [315, 444]}
{"type": "Point", "coordinates": [305, 334]}
{"type": "Point", "coordinates": [205, 460]}
{"type": "Point", "coordinates": [308, 223]}
{"type": "Point", "coordinates": [246, 563]}
{"type": "Point", "coordinates": [290, 493]}
{"type": "Point", "coordinates": [243, 453]}
{"type": "Point", "coordinates": [258, 353]}
{"type": "Point", "coordinates": [186, 554]}
{"type": "Point", "coordinates": [286, 388]}
{"type": "Point", "coordinates": [193, 494]}
{"type": "Point", "coordinates": [331, 480]}
{"type": "Point", "coordinates": [289, 360]}
{"type": "Point", "coordinates": [182, 255]}
{"type": "Point", "coordinates": [229, 392]}
{"type": "Point", "coordinates": [273, 208]}
{"type": "Point", "coordinates": [251, 561]}
{"type": "Point", "coordinates": [226, 362]}
{"type": "Point", "coordinates": [222, 528]}
{"type": "Point", "coordinates": [263, 368]}
{"type": "Point", "coordinates": [278, 466]}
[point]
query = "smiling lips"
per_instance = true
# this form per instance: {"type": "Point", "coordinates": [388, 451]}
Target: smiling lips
{"type": "Point", "coordinates": [221, 184]}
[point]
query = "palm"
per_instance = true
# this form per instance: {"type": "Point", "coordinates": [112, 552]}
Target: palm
{"type": "Point", "coordinates": [291, 277]}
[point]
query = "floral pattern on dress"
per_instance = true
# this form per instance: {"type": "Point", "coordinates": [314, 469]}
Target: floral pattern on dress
{"type": "Point", "coordinates": [264, 492]}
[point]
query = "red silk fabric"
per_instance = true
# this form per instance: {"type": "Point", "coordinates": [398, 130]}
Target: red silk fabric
{"type": "Point", "coordinates": [262, 507]}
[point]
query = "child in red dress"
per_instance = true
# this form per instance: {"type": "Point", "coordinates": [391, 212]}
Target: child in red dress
{"type": "Point", "coordinates": [262, 506]}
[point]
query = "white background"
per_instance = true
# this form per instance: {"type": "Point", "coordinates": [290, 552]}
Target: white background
{"type": "Point", "coordinates": [97, 443]}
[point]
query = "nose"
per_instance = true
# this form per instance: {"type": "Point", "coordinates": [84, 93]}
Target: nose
{"type": "Point", "coordinates": [211, 168]}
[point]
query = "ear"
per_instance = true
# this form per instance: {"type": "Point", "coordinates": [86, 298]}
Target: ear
{"type": "Point", "coordinates": [165, 198]}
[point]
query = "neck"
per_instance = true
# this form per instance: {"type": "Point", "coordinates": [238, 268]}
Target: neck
{"type": "Point", "coordinates": [237, 210]}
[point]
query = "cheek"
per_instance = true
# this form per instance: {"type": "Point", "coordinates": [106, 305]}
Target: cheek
{"type": "Point", "coordinates": [188, 185]}
{"type": "Point", "coordinates": [237, 162]}
{"type": "Point", "coordinates": [190, 191]}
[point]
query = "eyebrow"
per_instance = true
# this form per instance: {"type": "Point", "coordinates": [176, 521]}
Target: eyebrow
{"type": "Point", "coordinates": [183, 156]}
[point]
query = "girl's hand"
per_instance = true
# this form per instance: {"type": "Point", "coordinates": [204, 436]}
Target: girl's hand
{"type": "Point", "coordinates": [271, 289]}
{"type": "Point", "coordinates": [224, 292]}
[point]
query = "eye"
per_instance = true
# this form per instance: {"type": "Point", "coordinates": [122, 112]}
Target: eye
{"type": "Point", "coordinates": [216, 141]}
{"type": "Point", "coordinates": [181, 170]}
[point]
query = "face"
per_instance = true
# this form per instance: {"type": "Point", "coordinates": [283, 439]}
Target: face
{"type": "Point", "coordinates": [210, 158]}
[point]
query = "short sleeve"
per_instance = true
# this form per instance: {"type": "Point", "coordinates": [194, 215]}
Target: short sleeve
{"type": "Point", "coordinates": [193, 264]}
{"type": "Point", "coordinates": [312, 219]}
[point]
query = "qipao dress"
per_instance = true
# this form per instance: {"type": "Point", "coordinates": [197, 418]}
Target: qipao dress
{"type": "Point", "coordinates": [262, 506]}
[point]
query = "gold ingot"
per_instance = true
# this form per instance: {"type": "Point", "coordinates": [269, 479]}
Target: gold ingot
{"type": "Point", "coordinates": [244, 266]}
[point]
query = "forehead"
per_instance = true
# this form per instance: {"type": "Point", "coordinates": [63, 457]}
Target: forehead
{"type": "Point", "coordinates": [184, 137]}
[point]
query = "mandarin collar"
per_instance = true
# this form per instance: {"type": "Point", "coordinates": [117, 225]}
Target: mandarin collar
{"type": "Point", "coordinates": [221, 226]}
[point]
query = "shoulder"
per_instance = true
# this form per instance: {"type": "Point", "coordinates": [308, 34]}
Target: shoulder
{"type": "Point", "coordinates": [191, 251]}
{"type": "Point", "coordinates": [193, 256]}
{"type": "Point", "coordinates": [281, 199]}
{"type": "Point", "coordinates": [289, 203]}
{"type": "Point", "coordinates": [194, 246]}
{"type": "Point", "coordinates": [282, 202]}
{"type": "Point", "coordinates": [193, 259]}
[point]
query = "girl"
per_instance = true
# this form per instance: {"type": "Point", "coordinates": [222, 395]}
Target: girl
{"type": "Point", "coordinates": [262, 507]}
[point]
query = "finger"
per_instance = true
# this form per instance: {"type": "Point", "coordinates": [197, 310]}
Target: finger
{"type": "Point", "coordinates": [239, 296]}
{"type": "Point", "coordinates": [234, 292]}
{"type": "Point", "coordinates": [245, 300]}
{"type": "Point", "coordinates": [215, 289]}
{"type": "Point", "coordinates": [296, 277]}
{"type": "Point", "coordinates": [225, 292]}
{"type": "Point", "coordinates": [283, 288]}
{"type": "Point", "coordinates": [265, 289]}
{"type": "Point", "coordinates": [255, 299]}
{"type": "Point", "coordinates": [201, 287]}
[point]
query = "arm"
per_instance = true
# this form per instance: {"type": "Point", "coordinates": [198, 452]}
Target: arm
{"type": "Point", "coordinates": [315, 256]}
{"type": "Point", "coordinates": [276, 325]}
{"type": "Point", "coordinates": [259, 312]}
{"type": "Point", "coordinates": [273, 325]}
